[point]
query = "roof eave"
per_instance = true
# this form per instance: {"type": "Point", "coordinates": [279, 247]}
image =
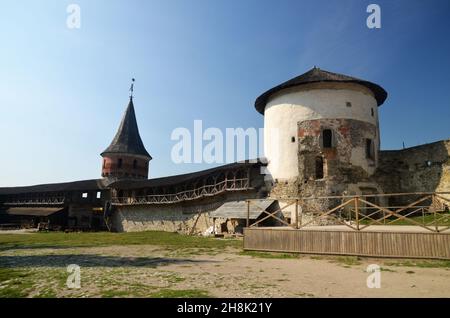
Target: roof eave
{"type": "Point", "coordinates": [379, 92]}
{"type": "Point", "coordinates": [144, 156]}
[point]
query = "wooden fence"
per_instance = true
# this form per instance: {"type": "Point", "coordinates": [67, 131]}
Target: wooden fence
{"type": "Point", "coordinates": [359, 212]}
{"type": "Point", "coordinates": [360, 220]}
{"type": "Point", "coordinates": [338, 242]}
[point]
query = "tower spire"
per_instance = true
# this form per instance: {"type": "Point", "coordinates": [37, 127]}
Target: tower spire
{"type": "Point", "coordinates": [126, 156]}
{"type": "Point", "coordinates": [132, 88]}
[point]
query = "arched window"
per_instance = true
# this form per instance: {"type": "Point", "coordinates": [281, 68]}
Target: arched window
{"type": "Point", "coordinates": [319, 168]}
{"type": "Point", "coordinates": [327, 138]}
{"type": "Point", "coordinates": [119, 163]}
{"type": "Point", "coordinates": [134, 164]}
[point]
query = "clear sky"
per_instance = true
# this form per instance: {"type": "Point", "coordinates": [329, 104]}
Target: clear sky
{"type": "Point", "coordinates": [63, 91]}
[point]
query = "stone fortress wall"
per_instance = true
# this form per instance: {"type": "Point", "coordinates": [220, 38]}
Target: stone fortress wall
{"type": "Point", "coordinates": [181, 218]}
{"type": "Point", "coordinates": [424, 168]}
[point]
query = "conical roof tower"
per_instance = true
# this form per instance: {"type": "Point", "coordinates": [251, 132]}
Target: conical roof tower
{"type": "Point", "coordinates": [126, 156]}
{"type": "Point", "coordinates": [127, 139]}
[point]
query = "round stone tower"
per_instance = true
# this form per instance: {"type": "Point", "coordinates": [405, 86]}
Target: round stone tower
{"type": "Point", "coordinates": [126, 156]}
{"type": "Point", "coordinates": [321, 134]}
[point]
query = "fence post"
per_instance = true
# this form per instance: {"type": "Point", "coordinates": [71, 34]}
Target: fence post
{"type": "Point", "coordinates": [423, 216]}
{"type": "Point", "coordinates": [248, 213]}
{"type": "Point", "coordinates": [296, 213]}
{"type": "Point", "coordinates": [301, 213]}
{"type": "Point", "coordinates": [357, 212]}
{"type": "Point", "coordinates": [434, 205]}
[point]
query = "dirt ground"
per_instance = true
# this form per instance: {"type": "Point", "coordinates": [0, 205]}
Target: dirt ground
{"type": "Point", "coordinates": [152, 271]}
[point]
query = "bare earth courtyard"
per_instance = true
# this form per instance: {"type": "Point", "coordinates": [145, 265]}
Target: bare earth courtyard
{"type": "Point", "coordinates": [158, 264]}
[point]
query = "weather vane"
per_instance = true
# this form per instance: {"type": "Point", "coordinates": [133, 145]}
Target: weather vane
{"type": "Point", "coordinates": [132, 87]}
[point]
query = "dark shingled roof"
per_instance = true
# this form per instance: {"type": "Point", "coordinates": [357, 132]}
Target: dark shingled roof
{"type": "Point", "coordinates": [316, 75]}
{"type": "Point", "coordinates": [99, 184]}
{"type": "Point", "coordinates": [176, 179]}
{"type": "Point", "coordinates": [83, 185]}
{"type": "Point", "coordinates": [127, 139]}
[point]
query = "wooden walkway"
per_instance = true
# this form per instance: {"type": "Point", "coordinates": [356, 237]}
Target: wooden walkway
{"type": "Point", "coordinates": [394, 241]}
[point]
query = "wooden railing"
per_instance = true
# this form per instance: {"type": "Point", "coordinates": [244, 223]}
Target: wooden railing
{"type": "Point", "coordinates": [267, 215]}
{"type": "Point", "coordinates": [35, 201]}
{"type": "Point", "coordinates": [426, 210]}
{"type": "Point", "coordinates": [194, 194]}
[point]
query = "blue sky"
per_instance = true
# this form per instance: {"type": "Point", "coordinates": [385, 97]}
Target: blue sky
{"type": "Point", "coordinates": [63, 91]}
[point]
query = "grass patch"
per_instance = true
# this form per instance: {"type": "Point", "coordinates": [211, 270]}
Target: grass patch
{"type": "Point", "coordinates": [47, 293]}
{"type": "Point", "coordinates": [180, 293]}
{"type": "Point", "coordinates": [27, 282]}
{"type": "Point", "coordinates": [50, 283]}
{"type": "Point", "coordinates": [269, 255]}
{"type": "Point", "coordinates": [15, 283]}
{"type": "Point", "coordinates": [347, 261]}
{"type": "Point", "coordinates": [66, 240]}
{"type": "Point", "coordinates": [442, 218]}
{"type": "Point", "coordinates": [384, 269]}
{"type": "Point", "coordinates": [420, 263]}
{"type": "Point", "coordinates": [173, 278]}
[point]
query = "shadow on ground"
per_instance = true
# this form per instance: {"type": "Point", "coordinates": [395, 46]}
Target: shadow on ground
{"type": "Point", "coordinates": [8, 246]}
{"type": "Point", "coordinates": [91, 260]}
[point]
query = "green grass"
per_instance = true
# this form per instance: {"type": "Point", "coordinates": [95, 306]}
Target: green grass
{"type": "Point", "coordinates": [24, 281]}
{"type": "Point", "coordinates": [50, 282]}
{"type": "Point", "coordinates": [64, 240]}
{"type": "Point", "coordinates": [269, 255]}
{"type": "Point", "coordinates": [384, 269]}
{"type": "Point", "coordinates": [347, 261]}
{"type": "Point", "coordinates": [420, 263]}
{"type": "Point", "coordinates": [173, 278]}
{"type": "Point", "coordinates": [15, 283]}
{"type": "Point", "coordinates": [47, 293]}
{"type": "Point", "coordinates": [427, 219]}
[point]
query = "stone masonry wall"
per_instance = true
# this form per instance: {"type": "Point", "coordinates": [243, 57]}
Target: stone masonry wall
{"type": "Point", "coordinates": [345, 165]}
{"type": "Point", "coordinates": [168, 218]}
{"type": "Point", "coordinates": [408, 170]}
{"type": "Point", "coordinates": [346, 168]}
{"type": "Point", "coordinates": [175, 217]}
